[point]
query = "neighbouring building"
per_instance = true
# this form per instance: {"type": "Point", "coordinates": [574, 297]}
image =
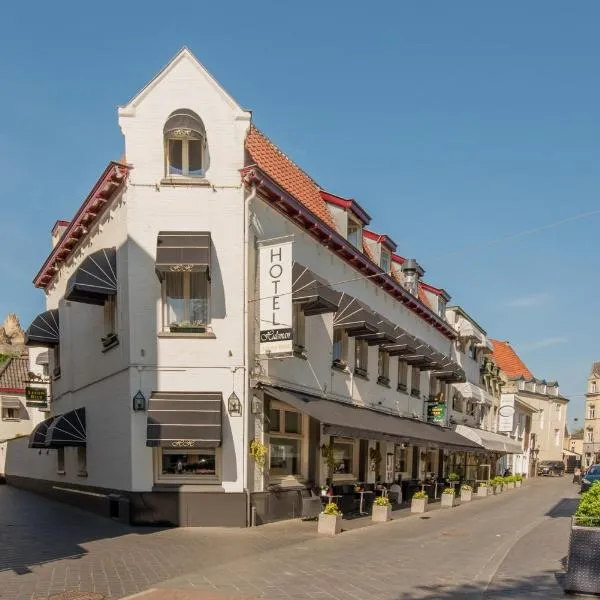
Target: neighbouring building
{"type": "Point", "coordinates": [225, 336]}
{"type": "Point", "coordinates": [531, 409]}
{"type": "Point", "coordinates": [591, 427]}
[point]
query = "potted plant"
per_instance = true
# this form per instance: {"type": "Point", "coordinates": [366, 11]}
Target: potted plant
{"type": "Point", "coordinates": [497, 485]}
{"type": "Point", "coordinates": [187, 327]}
{"type": "Point", "coordinates": [583, 574]}
{"type": "Point", "coordinates": [453, 477]}
{"type": "Point", "coordinates": [330, 520]}
{"type": "Point", "coordinates": [466, 493]}
{"type": "Point", "coordinates": [483, 489]}
{"type": "Point", "coordinates": [448, 498]}
{"type": "Point", "coordinates": [382, 510]}
{"type": "Point", "coordinates": [510, 482]}
{"type": "Point", "coordinates": [518, 480]}
{"type": "Point", "coordinates": [418, 503]}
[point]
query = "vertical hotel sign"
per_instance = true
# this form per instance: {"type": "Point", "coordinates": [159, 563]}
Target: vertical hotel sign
{"type": "Point", "coordinates": [506, 413]}
{"type": "Point", "coordinates": [275, 268]}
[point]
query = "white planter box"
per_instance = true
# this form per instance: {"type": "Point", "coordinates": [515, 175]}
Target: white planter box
{"type": "Point", "coordinates": [466, 495]}
{"type": "Point", "coordinates": [483, 491]}
{"type": "Point", "coordinates": [496, 490]}
{"type": "Point", "coordinates": [510, 485]}
{"type": "Point", "coordinates": [329, 524]}
{"type": "Point", "coordinates": [448, 501]}
{"type": "Point", "coordinates": [418, 505]}
{"type": "Point", "coordinates": [381, 514]}
{"type": "Point", "coordinates": [518, 484]}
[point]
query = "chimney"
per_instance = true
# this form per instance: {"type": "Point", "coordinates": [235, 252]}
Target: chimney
{"type": "Point", "coordinates": [412, 271]}
{"type": "Point", "coordinates": [57, 231]}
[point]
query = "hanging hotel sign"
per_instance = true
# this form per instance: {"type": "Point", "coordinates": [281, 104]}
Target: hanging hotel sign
{"type": "Point", "coordinates": [506, 413]}
{"type": "Point", "coordinates": [436, 413]}
{"type": "Point", "coordinates": [275, 260]}
{"type": "Point", "coordinates": [36, 397]}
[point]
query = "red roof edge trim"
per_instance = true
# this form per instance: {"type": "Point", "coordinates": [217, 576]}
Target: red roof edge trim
{"type": "Point", "coordinates": [59, 223]}
{"type": "Point", "coordinates": [437, 291]}
{"type": "Point", "coordinates": [381, 238]}
{"type": "Point", "coordinates": [110, 181]}
{"type": "Point", "coordinates": [347, 204]}
{"type": "Point", "coordinates": [12, 390]}
{"type": "Point", "coordinates": [282, 201]}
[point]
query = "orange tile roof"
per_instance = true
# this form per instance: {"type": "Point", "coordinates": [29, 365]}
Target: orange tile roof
{"type": "Point", "coordinates": [286, 174]}
{"type": "Point", "coordinates": [506, 358]}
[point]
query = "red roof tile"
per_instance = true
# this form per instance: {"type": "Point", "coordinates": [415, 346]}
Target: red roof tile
{"type": "Point", "coordinates": [286, 174]}
{"type": "Point", "coordinates": [506, 358]}
{"type": "Point", "coordinates": [13, 374]}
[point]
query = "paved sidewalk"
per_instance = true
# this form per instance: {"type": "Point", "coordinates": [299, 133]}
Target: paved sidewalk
{"type": "Point", "coordinates": [481, 550]}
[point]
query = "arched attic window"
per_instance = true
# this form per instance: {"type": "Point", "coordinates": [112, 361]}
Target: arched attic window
{"type": "Point", "coordinates": [185, 144]}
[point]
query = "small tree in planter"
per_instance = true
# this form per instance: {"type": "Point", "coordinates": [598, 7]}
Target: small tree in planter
{"type": "Point", "coordinates": [497, 485]}
{"type": "Point", "coordinates": [330, 520]}
{"type": "Point", "coordinates": [518, 480]}
{"type": "Point", "coordinates": [448, 498]}
{"type": "Point", "coordinates": [382, 510]}
{"type": "Point", "coordinates": [583, 574]}
{"type": "Point", "coordinates": [466, 493]}
{"type": "Point", "coordinates": [418, 503]}
{"type": "Point", "coordinates": [510, 482]}
{"type": "Point", "coordinates": [483, 490]}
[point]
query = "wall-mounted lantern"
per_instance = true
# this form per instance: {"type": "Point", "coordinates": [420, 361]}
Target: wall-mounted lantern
{"type": "Point", "coordinates": [234, 406]}
{"type": "Point", "coordinates": [139, 402]}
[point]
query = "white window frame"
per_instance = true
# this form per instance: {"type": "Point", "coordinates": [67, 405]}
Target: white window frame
{"type": "Point", "coordinates": [186, 297]}
{"type": "Point", "coordinates": [160, 477]}
{"type": "Point", "coordinates": [354, 226]}
{"type": "Point", "coordinates": [385, 260]}
{"type": "Point", "coordinates": [281, 433]}
{"type": "Point", "coordinates": [8, 411]}
{"type": "Point", "coordinates": [353, 476]}
{"type": "Point", "coordinates": [185, 155]}
{"type": "Point", "coordinates": [340, 347]}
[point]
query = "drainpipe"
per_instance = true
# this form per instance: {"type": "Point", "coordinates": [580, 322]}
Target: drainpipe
{"type": "Point", "coordinates": [246, 234]}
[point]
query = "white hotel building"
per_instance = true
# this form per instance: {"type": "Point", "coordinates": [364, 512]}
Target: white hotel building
{"type": "Point", "coordinates": [211, 297]}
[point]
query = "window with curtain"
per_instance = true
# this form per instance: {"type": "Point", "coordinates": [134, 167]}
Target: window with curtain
{"type": "Point", "coordinates": [340, 347]}
{"type": "Point", "coordinates": [383, 367]}
{"type": "Point", "coordinates": [185, 144]}
{"type": "Point", "coordinates": [285, 441]}
{"type": "Point", "coordinates": [298, 327]}
{"type": "Point", "coordinates": [402, 376]}
{"type": "Point", "coordinates": [361, 357]}
{"type": "Point", "coordinates": [415, 383]}
{"type": "Point", "coordinates": [186, 300]}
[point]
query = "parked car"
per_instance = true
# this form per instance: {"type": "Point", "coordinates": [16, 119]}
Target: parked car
{"type": "Point", "coordinates": [551, 468]}
{"type": "Point", "coordinates": [591, 475]}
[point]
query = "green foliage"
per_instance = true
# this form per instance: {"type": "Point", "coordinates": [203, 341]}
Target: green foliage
{"type": "Point", "coordinates": [382, 501]}
{"type": "Point", "coordinates": [258, 452]}
{"type": "Point", "coordinates": [518, 477]}
{"type": "Point", "coordinates": [453, 477]}
{"type": "Point", "coordinates": [466, 488]}
{"type": "Point", "coordinates": [419, 495]}
{"type": "Point", "coordinates": [483, 484]}
{"type": "Point", "coordinates": [497, 480]}
{"type": "Point", "coordinates": [332, 509]}
{"type": "Point", "coordinates": [588, 511]}
{"type": "Point", "coordinates": [4, 358]}
{"type": "Point", "coordinates": [448, 491]}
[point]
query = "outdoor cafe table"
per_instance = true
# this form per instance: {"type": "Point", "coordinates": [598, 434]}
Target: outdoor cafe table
{"type": "Point", "coordinates": [362, 498]}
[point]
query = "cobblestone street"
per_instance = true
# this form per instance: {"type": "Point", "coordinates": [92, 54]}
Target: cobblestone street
{"type": "Point", "coordinates": [511, 545]}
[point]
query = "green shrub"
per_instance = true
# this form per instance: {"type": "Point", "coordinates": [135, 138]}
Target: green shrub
{"type": "Point", "coordinates": [453, 477]}
{"type": "Point", "coordinates": [448, 491]}
{"type": "Point", "coordinates": [465, 487]}
{"type": "Point", "coordinates": [588, 511]}
{"type": "Point", "coordinates": [419, 495]}
{"type": "Point", "coordinates": [332, 509]}
{"type": "Point", "coordinates": [518, 477]}
{"type": "Point", "coordinates": [382, 501]}
{"type": "Point", "coordinates": [483, 484]}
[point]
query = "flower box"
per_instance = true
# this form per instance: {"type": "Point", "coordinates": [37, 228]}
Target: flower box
{"type": "Point", "coordinates": [496, 490]}
{"type": "Point", "coordinates": [329, 524]}
{"type": "Point", "coordinates": [583, 574]}
{"type": "Point", "coordinates": [466, 495]}
{"type": "Point", "coordinates": [174, 328]}
{"type": "Point", "coordinates": [518, 484]}
{"type": "Point", "coordinates": [510, 485]}
{"type": "Point", "coordinates": [381, 514]}
{"type": "Point", "coordinates": [418, 505]}
{"type": "Point", "coordinates": [483, 491]}
{"type": "Point", "coordinates": [448, 501]}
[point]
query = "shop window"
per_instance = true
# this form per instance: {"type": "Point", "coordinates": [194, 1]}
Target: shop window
{"type": "Point", "coordinates": [402, 376]}
{"type": "Point", "coordinates": [401, 459]}
{"type": "Point", "coordinates": [60, 460]}
{"type": "Point", "coordinates": [185, 144]}
{"type": "Point", "coordinates": [82, 461]}
{"type": "Point", "coordinates": [415, 383]}
{"type": "Point", "coordinates": [361, 358]}
{"type": "Point", "coordinates": [340, 348]}
{"type": "Point", "coordinates": [186, 301]}
{"type": "Point", "coordinates": [383, 368]}
{"type": "Point", "coordinates": [298, 328]}
{"type": "Point", "coordinates": [285, 442]}
{"type": "Point", "coordinates": [194, 464]}
{"type": "Point", "coordinates": [343, 459]}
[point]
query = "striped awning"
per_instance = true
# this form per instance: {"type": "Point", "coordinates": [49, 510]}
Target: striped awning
{"type": "Point", "coordinates": [187, 251]}
{"type": "Point", "coordinates": [95, 279]}
{"type": "Point", "coordinates": [386, 332]}
{"type": "Point", "coordinates": [185, 419]}
{"type": "Point", "coordinates": [312, 292]}
{"type": "Point", "coordinates": [474, 392]}
{"type": "Point", "coordinates": [67, 430]}
{"type": "Point", "coordinates": [37, 438]}
{"type": "Point", "coordinates": [355, 317]}
{"type": "Point", "coordinates": [44, 330]}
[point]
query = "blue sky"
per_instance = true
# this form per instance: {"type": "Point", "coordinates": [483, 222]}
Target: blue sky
{"type": "Point", "coordinates": [455, 124]}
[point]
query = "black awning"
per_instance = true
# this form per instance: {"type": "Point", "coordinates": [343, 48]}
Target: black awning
{"type": "Point", "coordinates": [355, 317]}
{"type": "Point", "coordinates": [312, 292]}
{"type": "Point", "coordinates": [386, 332]}
{"type": "Point", "coordinates": [340, 419]}
{"type": "Point", "coordinates": [37, 438]}
{"type": "Point", "coordinates": [184, 419]}
{"type": "Point", "coordinates": [182, 251]}
{"type": "Point", "coordinates": [67, 430]}
{"type": "Point", "coordinates": [403, 345]}
{"type": "Point", "coordinates": [95, 279]}
{"type": "Point", "coordinates": [44, 330]}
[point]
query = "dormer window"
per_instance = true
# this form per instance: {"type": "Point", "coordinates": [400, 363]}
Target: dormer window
{"type": "Point", "coordinates": [185, 144]}
{"type": "Point", "coordinates": [355, 234]}
{"type": "Point", "coordinates": [385, 261]}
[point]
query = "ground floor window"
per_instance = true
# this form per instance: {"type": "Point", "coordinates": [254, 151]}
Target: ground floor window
{"type": "Point", "coordinates": [197, 463]}
{"type": "Point", "coordinates": [343, 459]}
{"type": "Point", "coordinates": [401, 462]}
{"type": "Point", "coordinates": [60, 460]}
{"type": "Point", "coordinates": [82, 461]}
{"type": "Point", "coordinates": [285, 456]}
